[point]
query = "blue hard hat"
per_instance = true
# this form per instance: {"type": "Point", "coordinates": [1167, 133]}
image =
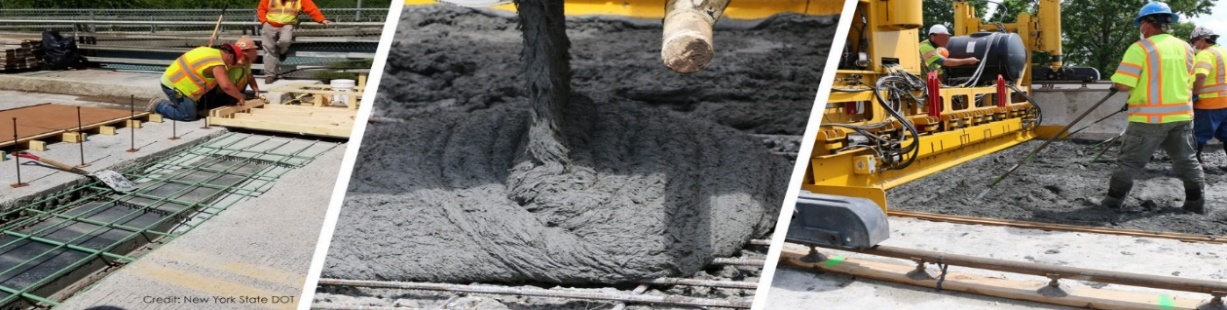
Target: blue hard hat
{"type": "Point", "coordinates": [1154, 8]}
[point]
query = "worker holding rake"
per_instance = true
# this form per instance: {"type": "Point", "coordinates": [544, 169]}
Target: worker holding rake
{"type": "Point", "coordinates": [1157, 71]}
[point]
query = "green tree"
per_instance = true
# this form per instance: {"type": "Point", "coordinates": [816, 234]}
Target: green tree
{"type": "Point", "coordinates": [1097, 32]}
{"type": "Point", "coordinates": [942, 12]}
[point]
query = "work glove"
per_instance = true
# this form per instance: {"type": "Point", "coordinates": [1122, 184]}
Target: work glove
{"type": "Point", "coordinates": [1196, 98]}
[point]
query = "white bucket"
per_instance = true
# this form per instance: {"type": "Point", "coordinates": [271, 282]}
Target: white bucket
{"type": "Point", "coordinates": [341, 85]}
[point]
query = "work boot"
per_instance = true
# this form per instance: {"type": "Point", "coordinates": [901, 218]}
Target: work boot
{"type": "Point", "coordinates": [1202, 146]}
{"type": "Point", "coordinates": [153, 104]}
{"type": "Point", "coordinates": [1117, 191]}
{"type": "Point", "coordinates": [269, 79]}
{"type": "Point", "coordinates": [1194, 198]}
{"type": "Point", "coordinates": [281, 57]}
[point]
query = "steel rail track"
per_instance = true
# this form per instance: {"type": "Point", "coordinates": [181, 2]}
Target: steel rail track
{"type": "Point", "coordinates": [673, 300]}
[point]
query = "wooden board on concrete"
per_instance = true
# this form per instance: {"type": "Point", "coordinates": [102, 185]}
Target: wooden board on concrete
{"type": "Point", "coordinates": [1084, 297]}
{"type": "Point", "coordinates": [257, 114]}
{"type": "Point", "coordinates": [51, 121]}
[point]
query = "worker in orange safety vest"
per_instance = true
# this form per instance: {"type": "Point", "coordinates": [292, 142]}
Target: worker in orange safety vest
{"type": "Point", "coordinates": [1209, 90]}
{"type": "Point", "coordinates": [1157, 71]}
{"type": "Point", "coordinates": [279, 18]}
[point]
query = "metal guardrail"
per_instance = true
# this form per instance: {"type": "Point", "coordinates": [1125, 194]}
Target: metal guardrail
{"type": "Point", "coordinates": [148, 39]}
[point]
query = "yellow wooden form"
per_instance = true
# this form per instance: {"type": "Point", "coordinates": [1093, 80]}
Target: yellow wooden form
{"type": "Point", "coordinates": [655, 9]}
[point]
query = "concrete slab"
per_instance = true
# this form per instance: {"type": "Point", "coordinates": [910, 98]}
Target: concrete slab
{"type": "Point", "coordinates": [793, 288]}
{"type": "Point", "coordinates": [257, 248]}
{"type": "Point", "coordinates": [1060, 106]}
{"type": "Point", "coordinates": [101, 151]}
{"type": "Point", "coordinates": [99, 84]}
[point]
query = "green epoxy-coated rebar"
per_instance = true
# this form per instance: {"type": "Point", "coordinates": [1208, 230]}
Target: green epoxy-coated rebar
{"type": "Point", "coordinates": [179, 165]}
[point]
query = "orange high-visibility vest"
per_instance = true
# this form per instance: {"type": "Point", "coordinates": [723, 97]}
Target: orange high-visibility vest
{"type": "Point", "coordinates": [190, 73]}
{"type": "Point", "coordinates": [1160, 70]}
{"type": "Point", "coordinates": [283, 12]}
{"type": "Point", "coordinates": [1213, 94]}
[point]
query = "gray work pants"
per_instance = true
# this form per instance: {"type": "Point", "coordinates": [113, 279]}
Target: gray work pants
{"type": "Point", "coordinates": [1140, 142]}
{"type": "Point", "coordinates": [276, 42]}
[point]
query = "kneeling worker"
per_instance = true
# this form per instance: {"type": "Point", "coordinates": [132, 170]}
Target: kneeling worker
{"type": "Point", "coordinates": [191, 76]}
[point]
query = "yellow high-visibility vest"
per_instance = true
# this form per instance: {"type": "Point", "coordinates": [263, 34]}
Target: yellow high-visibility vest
{"type": "Point", "coordinates": [190, 73]}
{"type": "Point", "coordinates": [1213, 94]}
{"type": "Point", "coordinates": [239, 75]}
{"type": "Point", "coordinates": [1160, 70]}
{"type": "Point", "coordinates": [929, 54]}
{"type": "Point", "coordinates": [283, 12]}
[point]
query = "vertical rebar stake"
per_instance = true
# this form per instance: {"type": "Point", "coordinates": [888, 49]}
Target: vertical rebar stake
{"type": "Point", "coordinates": [132, 124]}
{"type": "Point", "coordinates": [174, 133]}
{"type": "Point", "coordinates": [17, 160]}
{"type": "Point", "coordinates": [81, 139]}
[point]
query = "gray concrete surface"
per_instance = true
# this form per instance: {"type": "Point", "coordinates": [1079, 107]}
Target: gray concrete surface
{"type": "Point", "coordinates": [259, 248]}
{"type": "Point", "coordinates": [101, 151]}
{"type": "Point", "coordinates": [1063, 105]}
{"type": "Point", "coordinates": [793, 288]}
{"type": "Point", "coordinates": [100, 84]}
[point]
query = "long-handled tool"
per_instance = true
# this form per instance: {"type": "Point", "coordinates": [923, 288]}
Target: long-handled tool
{"type": "Point", "coordinates": [1065, 129]}
{"type": "Point", "coordinates": [112, 179]}
{"type": "Point", "coordinates": [218, 26]}
{"type": "Point", "coordinates": [1100, 120]}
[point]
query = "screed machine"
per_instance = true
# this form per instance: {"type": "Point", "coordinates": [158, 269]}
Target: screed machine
{"type": "Point", "coordinates": [887, 122]}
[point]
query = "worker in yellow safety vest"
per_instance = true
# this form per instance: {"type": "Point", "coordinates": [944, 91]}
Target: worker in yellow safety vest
{"type": "Point", "coordinates": [1158, 74]}
{"type": "Point", "coordinates": [193, 75]}
{"type": "Point", "coordinates": [1209, 90]}
{"type": "Point", "coordinates": [934, 54]}
{"type": "Point", "coordinates": [279, 18]}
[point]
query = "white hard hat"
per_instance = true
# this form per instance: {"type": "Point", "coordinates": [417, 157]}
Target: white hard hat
{"type": "Point", "coordinates": [939, 28]}
{"type": "Point", "coordinates": [1200, 31]}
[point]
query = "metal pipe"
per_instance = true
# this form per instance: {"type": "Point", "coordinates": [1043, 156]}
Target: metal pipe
{"type": "Point", "coordinates": [132, 123]}
{"type": "Point", "coordinates": [502, 290]}
{"type": "Point", "coordinates": [739, 261]}
{"type": "Point", "coordinates": [687, 37]}
{"type": "Point", "coordinates": [1063, 272]}
{"type": "Point", "coordinates": [165, 22]}
{"type": "Point", "coordinates": [700, 282]}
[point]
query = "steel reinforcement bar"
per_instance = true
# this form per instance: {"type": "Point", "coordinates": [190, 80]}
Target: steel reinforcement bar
{"type": "Point", "coordinates": [672, 300]}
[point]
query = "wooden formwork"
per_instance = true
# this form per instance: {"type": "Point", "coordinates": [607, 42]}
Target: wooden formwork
{"type": "Point", "coordinates": [258, 114]}
{"type": "Point", "coordinates": [43, 124]}
{"type": "Point", "coordinates": [308, 111]}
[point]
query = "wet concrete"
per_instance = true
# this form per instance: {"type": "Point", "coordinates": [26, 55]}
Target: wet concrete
{"type": "Point", "coordinates": [665, 170]}
{"type": "Point", "coordinates": [1061, 185]}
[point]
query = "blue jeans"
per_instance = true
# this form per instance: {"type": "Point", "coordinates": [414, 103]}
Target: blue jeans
{"type": "Point", "coordinates": [178, 107]}
{"type": "Point", "coordinates": [1208, 124]}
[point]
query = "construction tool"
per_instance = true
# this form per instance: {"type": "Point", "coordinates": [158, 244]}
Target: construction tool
{"type": "Point", "coordinates": [1065, 129]}
{"type": "Point", "coordinates": [1123, 109]}
{"type": "Point", "coordinates": [112, 179]}
{"type": "Point", "coordinates": [218, 26]}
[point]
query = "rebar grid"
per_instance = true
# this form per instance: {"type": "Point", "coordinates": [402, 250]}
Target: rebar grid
{"type": "Point", "coordinates": [73, 226]}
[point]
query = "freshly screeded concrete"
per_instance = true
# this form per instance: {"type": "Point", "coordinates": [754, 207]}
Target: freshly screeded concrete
{"type": "Point", "coordinates": [1062, 185]}
{"type": "Point", "coordinates": [795, 288]}
{"type": "Point", "coordinates": [664, 173]}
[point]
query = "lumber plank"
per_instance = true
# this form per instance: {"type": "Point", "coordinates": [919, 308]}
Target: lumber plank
{"type": "Point", "coordinates": [298, 128]}
{"type": "Point", "coordinates": [1085, 297]}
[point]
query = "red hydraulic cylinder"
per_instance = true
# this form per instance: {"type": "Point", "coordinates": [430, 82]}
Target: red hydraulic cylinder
{"type": "Point", "coordinates": [935, 98]}
{"type": "Point", "coordinates": [1000, 91]}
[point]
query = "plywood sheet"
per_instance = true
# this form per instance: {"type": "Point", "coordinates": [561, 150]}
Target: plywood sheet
{"type": "Point", "coordinates": [49, 119]}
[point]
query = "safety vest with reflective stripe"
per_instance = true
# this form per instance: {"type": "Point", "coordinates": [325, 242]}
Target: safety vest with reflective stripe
{"type": "Point", "coordinates": [284, 12]}
{"type": "Point", "coordinates": [929, 54]}
{"type": "Point", "coordinates": [239, 75]}
{"type": "Point", "coordinates": [1213, 93]}
{"type": "Point", "coordinates": [1160, 70]}
{"type": "Point", "coordinates": [190, 73]}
